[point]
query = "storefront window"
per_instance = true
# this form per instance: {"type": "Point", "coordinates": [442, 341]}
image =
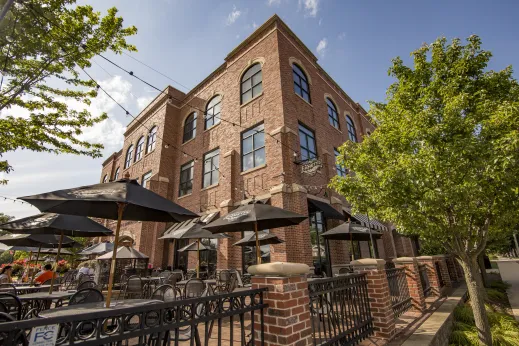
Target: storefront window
{"type": "Point", "coordinates": [249, 252]}
{"type": "Point", "coordinates": [208, 258]}
{"type": "Point", "coordinates": [319, 246]}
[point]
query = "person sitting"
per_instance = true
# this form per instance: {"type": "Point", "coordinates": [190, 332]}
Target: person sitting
{"type": "Point", "coordinates": [84, 270]}
{"type": "Point", "coordinates": [46, 275]}
{"type": "Point", "coordinates": [5, 275]}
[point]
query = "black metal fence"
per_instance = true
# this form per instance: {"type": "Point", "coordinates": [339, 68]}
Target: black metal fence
{"type": "Point", "coordinates": [424, 280]}
{"type": "Point", "coordinates": [398, 290]}
{"type": "Point", "coordinates": [340, 310]}
{"type": "Point", "coordinates": [225, 319]}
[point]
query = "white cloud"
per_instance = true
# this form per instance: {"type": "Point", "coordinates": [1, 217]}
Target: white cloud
{"type": "Point", "coordinates": [311, 7]}
{"type": "Point", "coordinates": [273, 2]}
{"type": "Point", "coordinates": [320, 21]}
{"type": "Point", "coordinates": [321, 47]}
{"type": "Point", "coordinates": [144, 101]}
{"type": "Point", "coordinates": [233, 16]}
{"type": "Point", "coordinates": [254, 25]}
{"type": "Point", "coordinates": [238, 36]}
{"type": "Point", "coordinates": [342, 36]}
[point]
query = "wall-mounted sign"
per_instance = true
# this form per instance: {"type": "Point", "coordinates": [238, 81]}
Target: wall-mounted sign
{"type": "Point", "coordinates": [311, 167]}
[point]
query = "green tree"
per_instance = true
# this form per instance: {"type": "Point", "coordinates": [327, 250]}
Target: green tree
{"type": "Point", "coordinates": [43, 46]}
{"type": "Point", "coordinates": [444, 160]}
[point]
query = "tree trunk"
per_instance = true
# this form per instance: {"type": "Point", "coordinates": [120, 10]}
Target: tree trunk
{"type": "Point", "coordinates": [481, 264]}
{"type": "Point", "coordinates": [477, 300]}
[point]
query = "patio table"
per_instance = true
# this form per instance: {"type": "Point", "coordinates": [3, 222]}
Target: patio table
{"type": "Point", "coordinates": [20, 290]}
{"type": "Point", "coordinates": [89, 308]}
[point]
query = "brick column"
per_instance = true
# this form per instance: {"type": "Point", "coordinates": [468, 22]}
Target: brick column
{"type": "Point", "coordinates": [229, 257]}
{"type": "Point", "coordinates": [414, 284]}
{"type": "Point", "coordinates": [379, 296]}
{"type": "Point", "coordinates": [431, 274]}
{"type": "Point", "coordinates": [451, 264]}
{"type": "Point", "coordinates": [444, 271]}
{"type": "Point", "coordinates": [287, 319]}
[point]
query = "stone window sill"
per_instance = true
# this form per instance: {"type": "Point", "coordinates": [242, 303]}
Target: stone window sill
{"type": "Point", "coordinates": [252, 99]}
{"type": "Point", "coordinates": [189, 194]}
{"type": "Point", "coordinates": [253, 169]}
{"type": "Point", "coordinates": [210, 187]}
{"type": "Point", "coordinates": [308, 103]}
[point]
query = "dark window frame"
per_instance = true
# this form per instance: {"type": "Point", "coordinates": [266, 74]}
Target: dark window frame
{"type": "Point", "coordinates": [105, 179]}
{"type": "Point", "coordinates": [307, 148]}
{"type": "Point", "coordinates": [341, 171]}
{"type": "Point", "coordinates": [152, 139]}
{"type": "Point", "coordinates": [186, 187]}
{"type": "Point", "coordinates": [189, 134]}
{"type": "Point", "coordinates": [210, 118]}
{"type": "Point", "coordinates": [253, 149]}
{"type": "Point", "coordinates": [333, 114]}
{"type": "Point", "coordinates": [251, 85]}
{"type": "Point", "coordinates": [214, 170]}
{"type": "Point", "coordinates": [129, 157]}
{"type": "Point", "coordinates": [299, 76]}
{"type": "Point", "coordinates": [139, 149]}
{"type": "Point", "coordinates": [350, 125]}
{"type": "Point", "coordinates": [116, 173]}
{"type": "Point", "coordinates": [145, 178]}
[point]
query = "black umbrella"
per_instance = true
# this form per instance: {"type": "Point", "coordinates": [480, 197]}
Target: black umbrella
{"type": "Point", "coordinates": [351, 231]}
{"type": "Point", "coordinates": [196, 246]}
{"type": "Point", "coordinates": [97, 249]}
{"type": "Point", "coordinates": [255, 216]}
{"type": "Point", "coordinates": [124, 252]}
{"type": "Point", "coordinates": [47, 241]}
{"type": "Point", "coordinates": [120, 200]}
{"type": "Point", "coordinates": [51, 223]}
{"type": "Point", "coordinates": [264, 239]}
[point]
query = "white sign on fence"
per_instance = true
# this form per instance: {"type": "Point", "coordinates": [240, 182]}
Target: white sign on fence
{"type": "Point", "coordinates": [44, 335]}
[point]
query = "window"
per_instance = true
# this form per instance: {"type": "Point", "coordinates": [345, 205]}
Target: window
{"type": "Point", "coordinates": [211, 165]}
{"type": "Point", "coordinates": [251, 83]}
{"type": "Point", "coordinates": [129, 154]}
{"type": "Point", "coordinates": [105, 179]}
{"type": "Point", "coordinates": [341, 171]}
{"type": "Point", "coordinates": [145, 178]}
{"type": "Point", "coordinates": [307, 143]}
{"type": "Point", "coordinates": [351, 129]}
{"type": "Point", "coordinates": [300, 83]}
{"type": "Point", "coordinates": [333, 118]}
{"type": "Point", "coordinates": [189, 127]}
{"type": "Point", "coordinates": [116, 175]}
{"type": "Point", "coordinates": [152, 138]}
{"type": "Point", "coordinates": [186, 179]}
{"type": "Point", "coordinates": [253, 147]}
{"type": "Point", "coordinates": [140, 149]}
{"type": "Point", "coordinates": [319, 248]}
{"type": "Point", "coordinates": [212, 112]}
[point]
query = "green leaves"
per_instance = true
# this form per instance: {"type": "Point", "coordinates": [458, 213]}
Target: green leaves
{"type": "Point", "coordinates": [42, 44]}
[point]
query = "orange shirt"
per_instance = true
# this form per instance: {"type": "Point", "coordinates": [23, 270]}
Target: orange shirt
{"type": "Point", "coordinates": [44, 277]}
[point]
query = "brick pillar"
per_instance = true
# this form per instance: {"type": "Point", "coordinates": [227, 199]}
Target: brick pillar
{"type": "Point", "coordinates": [229, 257]}
{"type": "Point", "coordinates": [339, 249]}
{"type": "Point", "coordinates": [431, 274]}
{"type": "Point", "coordinates": [444, 271]}
{"type": "Point", "coordinates": [414, 284]}
{"type": "Point", "coordinates": [451, 264]}
{"type": "Point", "coordinates": [287, 319]}
{"type": "Point", "coordinates": [459, 270]}
{"type": "Point", "coordinates": [379, 296]}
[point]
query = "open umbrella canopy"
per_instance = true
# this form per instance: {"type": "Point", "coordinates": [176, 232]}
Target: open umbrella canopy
{"type": "Point", "coordinates": [192, 229]}
{"type": "Point", "coordinates": [263, 238]}
{"type": "Point", "coordinates": [245, 217]}
{"type": "Point", "coordinates": [50, 223]}
{"type": "Point", "coordinates": [124, 252]}
{"type": "Point", "coordinates": [43, 250]}
{"type": "Point", "coordinates": [101, 200]}
{"type": "Point", "coordinates": [194, 247]}
{"type": "Point", "coordinates": [46, 241]}
{"type": "Point", "coordinates": [97, 249]}
{"type": "Point", "coordinates": [351, 231]}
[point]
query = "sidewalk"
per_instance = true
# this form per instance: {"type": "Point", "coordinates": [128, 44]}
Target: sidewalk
{"type": "Point", "coordinates": [509, 270]}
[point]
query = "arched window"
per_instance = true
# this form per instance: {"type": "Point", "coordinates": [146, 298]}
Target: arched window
{"type": "Point", "coordinates": [333, 118]}
{"type": "Point", "coordinates": [129, 155]}
{"type": "Point", "coordinates": [212, 112]}
{"type": "Point", "coordinates": [251, 83]}
{"type": "Point", "coordinates": [116, 175]}
{"type": "Point", "coordinates": [189, 127]}
{"type": "Point", "coordinates": [300, 83]}
{"type": "Point", "coordinates": [351, 129]}
{"type": "Point", "coordinates": [105, 179]}
{"type": "Point", "coordinates": [152, 138]}
{"type": "Point", "coordinates": [140, 149]}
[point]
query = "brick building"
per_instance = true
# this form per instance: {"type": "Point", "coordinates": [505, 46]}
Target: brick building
{"type": "Point", "coordinates": [247, 131]}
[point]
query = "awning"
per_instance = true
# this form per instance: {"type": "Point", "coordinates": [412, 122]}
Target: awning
{"type": "Point", "coordinates": [328, 211]}
{"type": "Point", "coordinates": [363, 220]}
{"type": "Point", "coordinates": [178, 229]}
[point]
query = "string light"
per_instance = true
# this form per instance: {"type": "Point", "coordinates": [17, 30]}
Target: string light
{"type": "Point", "coordinates": [5, 199]}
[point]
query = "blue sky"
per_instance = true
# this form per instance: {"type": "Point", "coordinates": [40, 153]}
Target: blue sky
{"type": "Point", "coordinates": [187, 40]}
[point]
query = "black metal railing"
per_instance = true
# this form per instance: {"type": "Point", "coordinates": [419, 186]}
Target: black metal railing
{"type": "Point", "coordinates": [340, 310]}
{"type": "Point", "coordinates": [424, 280]}
{"type": "Point", "coordinates": [224, 319]}
{"type": "Point", "coordinates": [398, 290]}
{"type": "Point", "coordinates": [438, 270]}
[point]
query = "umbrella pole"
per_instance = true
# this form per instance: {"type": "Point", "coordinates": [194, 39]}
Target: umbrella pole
{"type": "Point", "coordinates": [351, 247]}
{"type": "Point", "coordinates": [174, 250]}
{"type": "Point", "coordinates": [56, 264]}
{"type": "Point", "coordinates": [258, 250]}
{"type": "Point", "coordinates": [37, 259]}
{"type": "Point", "coordinates": [198, 255]}
{"type": "Point", "coordinates": [120, 209]}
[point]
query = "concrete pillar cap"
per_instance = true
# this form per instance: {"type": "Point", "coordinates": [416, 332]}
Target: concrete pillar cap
{"type": "Point", "coordinates": [404, 259]}
{"type": "Point", "coordinates": [282, 269]}
{"type": "Point", "coordinates": [368, 262]}
{"type": "Point", "coordinates": [424, 258]}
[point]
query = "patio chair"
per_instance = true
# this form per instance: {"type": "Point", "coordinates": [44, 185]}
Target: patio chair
{"type": "Point", "coordinates": [222, 280]}
{"type": "Point", "coordinates": [133, 287]}
{"type": "Point", "coordinates": [86, 295]}
{"type": "Point", "coordinates": [20, 338]}
{"type": "Point", "coordinates": [190, 274]}
{"type": "Point", "coordinates": [179, 272]}
{"type": "Point", "coordinates": [194, 288]}
{"type": "Point", "coordinates": [9, 288]}
{"type": "Point", "coordinates": [10, 304]}
{"type": "Point", "coordinates": [166, 293]}
{"type": "Point", "coordinates": [86, 284]}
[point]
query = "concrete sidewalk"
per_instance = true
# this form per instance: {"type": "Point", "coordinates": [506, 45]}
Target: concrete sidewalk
{"type": "Point", "coordinates": [509, 270]}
